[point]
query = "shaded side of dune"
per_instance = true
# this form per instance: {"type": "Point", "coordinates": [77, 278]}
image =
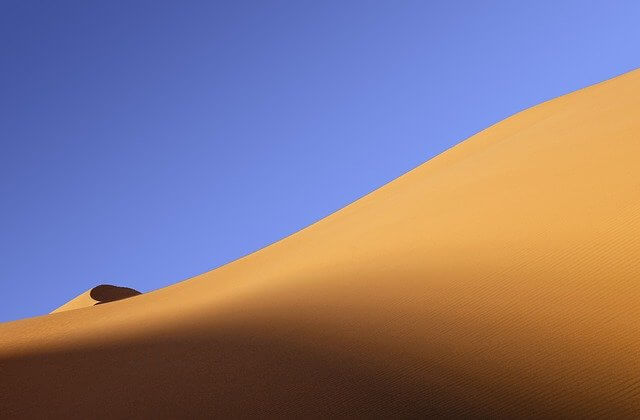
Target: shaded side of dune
{"type": "Point", "coordinates": [199, 376]}
{"type": "Point", "coordinates": [105, 293]}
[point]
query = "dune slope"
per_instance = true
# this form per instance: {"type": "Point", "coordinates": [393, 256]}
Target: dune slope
{"type": "Point", "coordinates": [103, 293]}
{"type": "Point", "coordinates": [501, 278]}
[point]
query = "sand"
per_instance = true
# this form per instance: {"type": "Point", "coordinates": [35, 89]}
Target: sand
{"type": "Point", "coordinates": [501, 278]}
{"type": "Point", "coordinates": [98, 295]}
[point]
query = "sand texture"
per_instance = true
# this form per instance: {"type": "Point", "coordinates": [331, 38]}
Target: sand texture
{"type": "Point", "coordinates": [499, 279]}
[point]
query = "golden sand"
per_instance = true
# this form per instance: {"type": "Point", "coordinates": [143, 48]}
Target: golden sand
{"type": "Point", "coordinates": [501, 278]}
{"type": "Point", "coordinates": [98, 295]}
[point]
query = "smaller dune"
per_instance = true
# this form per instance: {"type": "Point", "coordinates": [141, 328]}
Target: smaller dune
{"type": "Point", "coordinates": [103, 293]}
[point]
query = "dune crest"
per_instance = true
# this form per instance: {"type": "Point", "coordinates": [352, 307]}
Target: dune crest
{"type": "Point", "coordinates": [500, 278]}
{"type": "Point", "coordinates": [100, 294]}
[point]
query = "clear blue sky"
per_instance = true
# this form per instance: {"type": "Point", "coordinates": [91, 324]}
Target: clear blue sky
{"type": "Point", "coordinates": [145, 142]}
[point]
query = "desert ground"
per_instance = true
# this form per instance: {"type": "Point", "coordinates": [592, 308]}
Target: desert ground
{"type": "Point", "coordinates": [499, 279]}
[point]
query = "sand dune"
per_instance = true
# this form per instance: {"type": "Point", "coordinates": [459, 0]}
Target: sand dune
{"type": "Point", "coordinates": [100, 294]}
{"type": "Point", "coordinates": [501, 278]}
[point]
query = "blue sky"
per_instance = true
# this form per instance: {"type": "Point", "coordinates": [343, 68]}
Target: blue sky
{"type": "Point", "coordinates": [145, 142]}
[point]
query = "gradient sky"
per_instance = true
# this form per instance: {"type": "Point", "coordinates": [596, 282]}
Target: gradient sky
{"type": "Point", "coordinates": [145, 142]}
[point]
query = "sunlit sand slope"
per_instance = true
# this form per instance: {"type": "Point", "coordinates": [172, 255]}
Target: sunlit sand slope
{"type": "Point", "coordinates": [501, 278]}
